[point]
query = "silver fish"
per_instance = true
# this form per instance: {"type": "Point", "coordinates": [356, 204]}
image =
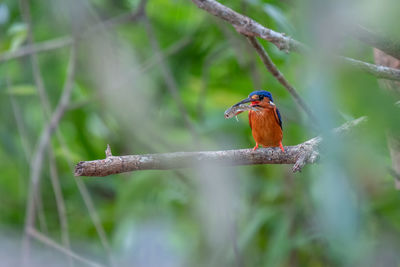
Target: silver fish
{"type": "Point", "coordinates": [235, 110]}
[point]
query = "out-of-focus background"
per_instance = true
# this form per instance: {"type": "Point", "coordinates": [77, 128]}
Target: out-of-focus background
{"type": "Point", "coordinates": [156, 76]}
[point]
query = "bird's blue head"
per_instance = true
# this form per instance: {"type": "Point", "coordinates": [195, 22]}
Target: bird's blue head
{"type": "Point", "coordinates": [261, 94]}
{"type": "Point", "coordinates": [256, 97]}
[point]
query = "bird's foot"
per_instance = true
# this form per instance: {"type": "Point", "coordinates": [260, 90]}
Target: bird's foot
{"type": "Point", "coordinates": [280, 145]}
{"type": "Point", "coordinates": [254, 148]}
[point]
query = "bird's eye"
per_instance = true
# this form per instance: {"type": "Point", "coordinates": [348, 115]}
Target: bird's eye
{"type": "Point", "coordinates": [261, 97]}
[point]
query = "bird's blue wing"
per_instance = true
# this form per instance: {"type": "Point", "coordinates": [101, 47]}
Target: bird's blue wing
{"type": "Point", "coordinates": [278, 115]}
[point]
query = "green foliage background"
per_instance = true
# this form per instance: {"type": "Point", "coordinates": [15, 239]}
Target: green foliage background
{"type": "Point", "coordinates": [342, 212]}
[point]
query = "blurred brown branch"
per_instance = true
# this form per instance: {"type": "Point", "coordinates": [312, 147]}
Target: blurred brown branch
{"type": "Point", "coordinates": [389, 46]}
{"type": "Point", "coordinates": [249, 27]}
{"type": "Point", "coordinates": [299, 155]}
{"type": "Point", "coordinates": [44, 140]}
{"type": "Point", "coordinates": [50, 243]}
{"type": "Point", "coordinates": [37, 48]}
{"type": "Point", "coordinates": [393, 139]}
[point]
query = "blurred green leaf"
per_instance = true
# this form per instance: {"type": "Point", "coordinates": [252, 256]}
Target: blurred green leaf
{"type": "Point", "coordinates": [18, 33]}
{"type": "Point", "coordinates": [22, 90]}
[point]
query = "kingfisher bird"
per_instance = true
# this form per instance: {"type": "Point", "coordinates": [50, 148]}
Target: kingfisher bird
{"type": "Point", "coordinates": [266, 124]}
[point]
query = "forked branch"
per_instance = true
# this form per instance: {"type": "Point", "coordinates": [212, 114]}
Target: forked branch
{"type": "Point", "coordinates": [250, 27]}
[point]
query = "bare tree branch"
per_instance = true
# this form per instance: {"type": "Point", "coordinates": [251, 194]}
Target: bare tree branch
{"type": "Point", "coordinates": [25, 10]}
{"type": "Point", "coordinates": [37, 48]}
{"type": "Point", "coordinates": [279, 76]}
{"type": "Point", "coordinates": [50, 243]}
{"type": "Point", "coordinates": [37, 162]}
{"type": "Point", "coordinates": [378, 71]}
{"type": "Point", "coordinates": [383, 43]}
{"type": "Point", "coordinates": [299, 155]}
{"type": "Point", "coordinates": [249, 27]}
{"type": "Point", "coordinates": [62, 213]}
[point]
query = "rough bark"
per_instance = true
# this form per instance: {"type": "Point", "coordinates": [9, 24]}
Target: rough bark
{"type": "Point", "coordinates": [299, 155]}
{"type": "Point", "coordinates": [250, 27]}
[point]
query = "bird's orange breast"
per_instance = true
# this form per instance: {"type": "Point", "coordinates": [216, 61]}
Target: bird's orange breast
{"type": "Point", "coordinates": [265, 127]}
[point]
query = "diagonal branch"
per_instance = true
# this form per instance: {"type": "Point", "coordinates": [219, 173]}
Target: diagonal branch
{"type": "Point", "coordinates": [378, 71]}
{"type": "Point", "coordinates": [249, 27]}
{"type": "Point", "coordinates": [299, 155]}
{"type": "Point", "coordinates": [383, 43]}
{"type": "Point", "coordinates": [37, 48]}
{"type": "Point", "coordinates": [61, 209]}
{"type": "Point", "coordinates": [50, 243]}
{"type": "Point", "coordinates": [279, 76]}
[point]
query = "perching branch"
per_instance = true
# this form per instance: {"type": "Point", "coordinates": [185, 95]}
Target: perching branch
{"type": "Point", "coordinates": [299, 155]}
{"type": "Point", "coordinates": [249, 27]}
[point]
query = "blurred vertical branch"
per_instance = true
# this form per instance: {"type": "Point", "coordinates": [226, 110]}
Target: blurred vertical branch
{"type": "Point", "coordinates": [26, 15]}
{"type": "Point", "coordinates": [384, 59]}
{"type": "Point", "coordinates": [62, 213]}
{"type": "Point", "coordinates": [36, 165]}
{"type": "Point", "coordinates": [38, 157]}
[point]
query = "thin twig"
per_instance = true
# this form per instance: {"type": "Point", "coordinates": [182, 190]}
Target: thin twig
{"type": "Point", "coordinates": [299, 155]}
{"type": "Point", "coordinates": [383, 43]}
{"type": "Point", "coordinates": [378, 71]}
{"type": "Point", "coordinates": [279, 76]}
{"type": "Point", "coordinates": [37, 48]}
{"type": "Point", "coordinates": [44, 140]}
{"type": "Point", "coordinates": [26, 14]}
{"type": "Point", "coordinates": [95, 219]}
{"type": "Point", "coordinates": [33, 197]}
{"type": "Point", "coordinates": [62, 214]}
{"type": "Point", "coordinates": [51, 243]}
{"type": "Point", "coordinates": [20, 124]}
{"type": "Point", "coordinates": [249, 27]}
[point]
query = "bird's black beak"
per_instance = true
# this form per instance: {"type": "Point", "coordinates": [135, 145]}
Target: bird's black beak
{"type": "Point", "coordinates": [244, 101]}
